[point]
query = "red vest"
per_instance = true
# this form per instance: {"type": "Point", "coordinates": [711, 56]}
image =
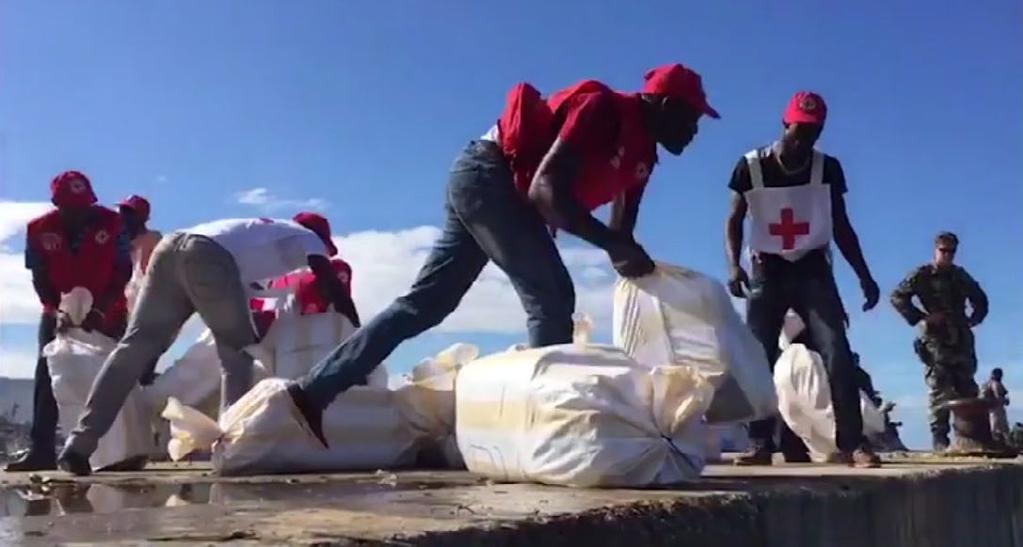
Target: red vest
{"type": "Point", "coordinates": [92, 267]}
{"type": "Point", "coordinates": [529, 125]}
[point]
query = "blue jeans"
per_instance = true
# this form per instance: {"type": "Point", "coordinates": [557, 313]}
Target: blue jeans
{"type": "Point", "coordinates": [807, 286]}
{"type": "Point", "coordinates": [487, 219]}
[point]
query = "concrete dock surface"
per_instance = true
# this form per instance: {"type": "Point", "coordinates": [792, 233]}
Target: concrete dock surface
{"type": "Point", "coordinates": [911, 501]}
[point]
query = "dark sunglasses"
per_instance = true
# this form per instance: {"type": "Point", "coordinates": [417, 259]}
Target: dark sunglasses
{"type": "Point", "coordinates": [946, 250]}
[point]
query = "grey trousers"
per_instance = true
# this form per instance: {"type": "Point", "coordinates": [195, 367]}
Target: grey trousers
{"type": "Point", "coordinates": [187, 274]}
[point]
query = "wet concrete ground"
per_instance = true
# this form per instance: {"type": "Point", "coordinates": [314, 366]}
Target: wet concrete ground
{"type": "Point", "coordinates": [185, 504]}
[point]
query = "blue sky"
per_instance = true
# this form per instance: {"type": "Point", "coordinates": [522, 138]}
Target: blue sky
{"type": "Point", "coordinates": [363, 105]}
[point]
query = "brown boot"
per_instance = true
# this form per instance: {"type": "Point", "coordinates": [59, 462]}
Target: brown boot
{"type": "Point", "coordinates": [758, 454]}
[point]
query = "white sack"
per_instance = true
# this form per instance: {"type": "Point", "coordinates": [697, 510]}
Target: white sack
{"type": "Point", "coordinates": [804, 401]}
{"type": "Point", "coordinates": [580, 416]}
{"type": "Point", "coordinates": [679, 316]}
{"type": "Point", "coordinates": [264, 433]}
{"type": "Point", "coordinates": [367, 427]}
{"type": "Point", "coordinates": [75, 358]}
{"type": "Point", "coordinates": [427, 401]}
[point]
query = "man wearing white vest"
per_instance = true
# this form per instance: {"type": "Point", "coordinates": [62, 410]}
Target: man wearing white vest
{"type": "Point", "coordinates": [794, 198]}
{"type": "Point", "coordinates": [213, 270]}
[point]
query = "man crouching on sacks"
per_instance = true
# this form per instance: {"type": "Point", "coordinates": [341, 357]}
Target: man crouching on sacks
{"type": "Point", "coordinates": [212, 269]}
{"type": "Point", "coordinates": [544, 166]}
{"type": "Point", "coordinates": [794, 197]}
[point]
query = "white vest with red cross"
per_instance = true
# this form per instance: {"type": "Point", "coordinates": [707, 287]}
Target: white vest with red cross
{"type": "Point", "coordinates": [788, 221]}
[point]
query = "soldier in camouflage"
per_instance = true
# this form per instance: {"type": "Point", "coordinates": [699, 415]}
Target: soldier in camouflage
{"type": "Point", "coordinates": [945, 344]}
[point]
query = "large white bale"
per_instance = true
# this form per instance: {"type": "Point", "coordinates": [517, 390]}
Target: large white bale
{"type": "Point", "coordinates": [676, 316]}
{"type": "Point", "coordinates": [580, 415]}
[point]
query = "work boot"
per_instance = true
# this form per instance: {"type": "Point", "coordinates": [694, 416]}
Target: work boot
{"type": "Point", "coordinates": [74, 463]}
{"type": "Point", "coordinates": [313, 416]}
{"type": "Point", "coordinates": [33, 460]}
{"type": "Point", "coordinates": [865, 458]}
{"type": "Point", "coordinates": [759, 454]}
{"type": "Point", "coordinates": [940, 442]}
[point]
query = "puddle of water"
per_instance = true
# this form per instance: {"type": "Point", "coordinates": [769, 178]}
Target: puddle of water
{"type": "Point", "coordinates": [63, 498]}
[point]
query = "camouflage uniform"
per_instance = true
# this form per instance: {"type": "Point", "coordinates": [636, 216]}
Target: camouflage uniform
{"type": "Point", "coordinates": [947, 349]}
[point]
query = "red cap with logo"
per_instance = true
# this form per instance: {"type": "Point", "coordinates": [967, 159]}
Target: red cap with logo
{"type": "Point", "coordinates": [806, 107]}
{"type": "Point", "coordinates": [320, 225]}
{"type": "Point", "coordinates": [138, 204]}
{"type": "Point", "coordinates": [72, 189]}
{"type": "Point", "coordinates": [681, 83]}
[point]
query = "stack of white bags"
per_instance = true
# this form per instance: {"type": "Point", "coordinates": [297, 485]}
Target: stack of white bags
{"type": "Point", "coordinates": [633, 414]}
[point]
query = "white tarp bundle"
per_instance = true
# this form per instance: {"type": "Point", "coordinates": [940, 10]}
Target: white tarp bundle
{"type": "Point", "coordinates": [679, 316]}
{"type": "Point", "coordinates": [367, 427]}
{"type": "Point", "coordinates": [75, 358]}
{"type": "Point", "coordinates": [804, 401]}
{"type": "Point", "coordinates": [581, 415]}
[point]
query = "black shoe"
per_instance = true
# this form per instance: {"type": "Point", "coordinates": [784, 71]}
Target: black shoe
{"type": "Point", "coordinates": [759, 454]}
{"type": "Point", "coordinates": [74, 463]}
{"type": "Point", "coordinates": [33, 460]}
{"type": "Point", "coordinates": [312, 415]}
{"type": "Point", "coordinates": [797, 457]}
{"type": "Point", "coordinates": [940, 443]}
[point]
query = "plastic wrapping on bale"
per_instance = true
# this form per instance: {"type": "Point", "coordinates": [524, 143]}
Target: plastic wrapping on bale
{"type": "Point", "coordinates": [367, 427]}
{"type": "Point", "coordinates": [679, 316]}
{"type": "Point", "coordinates": [580, 415]}
{"type": "Point", "coordinates": [804, 401]}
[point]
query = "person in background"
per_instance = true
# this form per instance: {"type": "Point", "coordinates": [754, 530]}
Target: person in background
{"type": "Point", "coordinates": [78, 244]}
{"type": "Point", "coordinates": [135, 211]}
{"type": "Point", "coordinates": [208, 269]}
{"type": "Point", "coordinates": [995, 391]}
{"type": "Point", "coordinates": [794, 197]}
{"type": "Point", "coordinates": [945, 344]}
{"type": "Point", "coordinates": [544, 166]}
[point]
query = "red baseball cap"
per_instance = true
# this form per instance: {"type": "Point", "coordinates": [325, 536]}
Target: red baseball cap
{"type": "Point", "coordinates": [320, 225]}
{"type": "Point", "coordinates": [138, 204]}
{"type": "Point", "coordinates": [679, 82]}
{"type": "Point", "coordinates": [806, 107]}
{"type": "Point", "coordinates": [72, 189]}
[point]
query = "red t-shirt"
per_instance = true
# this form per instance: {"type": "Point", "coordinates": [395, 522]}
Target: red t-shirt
{"type": "Point", "coordinates": [605, 127]}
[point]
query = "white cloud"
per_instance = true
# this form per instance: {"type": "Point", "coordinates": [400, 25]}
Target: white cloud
{"type": "Point", "coordinates": [19, 302]}
{"type": "Point", "coordinates": [264, 200]}
{"type": "Point", "coordinates": [386, 263]}
{"type": "Point", "coordinates": [14, 215]}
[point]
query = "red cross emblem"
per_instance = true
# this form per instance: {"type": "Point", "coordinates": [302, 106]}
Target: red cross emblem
{"type": "Point", "coordinates": [77, 186]}
{"type": "Point", "coordinates": [789, 229]}
{"type": "Point", "coordinates": [102, 237]}
{"type": "Point", "coordinates": [808, 104]}
{"type": "Point", "coordinates": [50, 241]}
